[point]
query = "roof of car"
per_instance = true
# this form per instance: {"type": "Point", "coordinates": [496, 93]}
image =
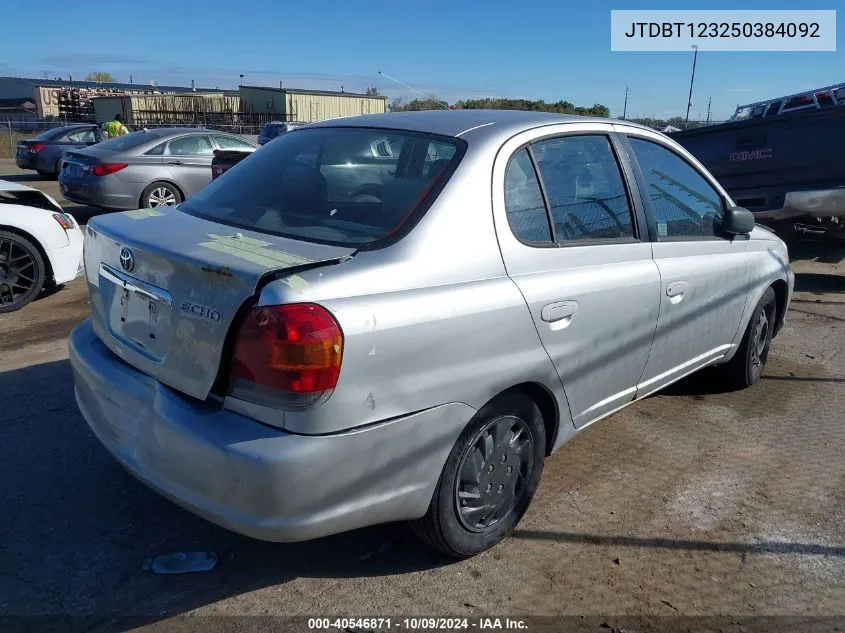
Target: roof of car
{"type": "Point", "coordinates": [483, 123]}
{"type": "Point", "coordinates": [168, 131]}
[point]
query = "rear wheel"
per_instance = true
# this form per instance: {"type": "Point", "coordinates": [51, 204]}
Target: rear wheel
{"type": "Point", "coordinates": [489, 478]}
{"type": "Point", "coordinates": [747, 365]}
{"type": "Point", "coordinates": [160, 194]}
{"type": "Point", "coordinates": [44, 174]}
{"type": "Point", "coordinates": [22, 272]}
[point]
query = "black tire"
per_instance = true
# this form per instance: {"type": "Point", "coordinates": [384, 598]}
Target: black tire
{"type": "Point", "coordinates": [44, 174]}
{"type": "Point", "coordinates": [22, 272]}
{"type": "Point", "coordinates": [57, 169]}
{"type": "Point", "coordinates": [447, 527]}
{"type": "Point", "coordinates": [159, 190]}
{"type": "Point", "coordinates": [747, 365]}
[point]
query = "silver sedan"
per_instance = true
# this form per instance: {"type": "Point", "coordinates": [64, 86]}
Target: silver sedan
{"type": "Point", "coordinates": [289, 357]}
{"type": "Point", "coordinates": [149, 168]}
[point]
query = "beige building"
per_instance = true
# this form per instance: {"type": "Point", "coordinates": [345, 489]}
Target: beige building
{"type": "Point", "coordinates": [291, 104]}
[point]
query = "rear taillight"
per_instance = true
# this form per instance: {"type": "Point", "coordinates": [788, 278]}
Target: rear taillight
{"type": "Point", "coordinates": [104, 169]}
{"type": "Point", "coordinates": [34, 148]}
{"type": "Point", "coordinates": [64, 220]}
{"type": "Point", "coordinates": [286, 356]}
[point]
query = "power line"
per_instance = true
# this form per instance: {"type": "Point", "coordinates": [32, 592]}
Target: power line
{"type": "Point", "coordinates": [428, 97]}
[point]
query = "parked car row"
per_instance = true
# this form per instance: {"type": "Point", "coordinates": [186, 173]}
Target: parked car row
{"type": "Point", "coordinates": [43, 153]}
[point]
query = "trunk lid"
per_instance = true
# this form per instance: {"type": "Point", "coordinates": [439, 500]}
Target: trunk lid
{"type": "Point", "coordinates": [166, 287]}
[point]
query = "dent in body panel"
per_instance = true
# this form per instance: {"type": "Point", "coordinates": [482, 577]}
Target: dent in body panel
{"type": "Point", "coordinates": [768, 260]}
{"type": "Point", "coordinates": [431, 346]}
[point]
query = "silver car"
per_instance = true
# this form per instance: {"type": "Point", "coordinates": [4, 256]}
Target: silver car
{"type": "Point", "coordinates": [290, 361]}
{"type": "Point", "coordinates": [149, 168]}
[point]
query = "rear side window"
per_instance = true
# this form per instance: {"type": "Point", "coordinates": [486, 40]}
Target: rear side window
{"type": "Point", "coordinates": [524, 201]}
{"type": "Point", "coordinates": [158, 150]}
{"type": "Point", "coordinates": [83, 136]}
{"type": "Point", "coordinates": [332, 185]}
{"type": "Point", "coordinates": [685, 204]}
{"type": "Point", "coordinates": [585, 190]}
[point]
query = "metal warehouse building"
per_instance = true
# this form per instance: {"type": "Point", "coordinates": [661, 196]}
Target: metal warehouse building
{"type": "Point", "coordinates": [57, 98]}
{"type": "Point", "coordinates": [291, 104]}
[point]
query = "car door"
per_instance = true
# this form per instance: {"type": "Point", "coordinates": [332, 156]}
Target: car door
{"type": "Point", "coordinates": [188, 160]}
{"type": "Point", "coordinates": [569, 224]}
{"type": "Point", "coordinates": [704, 274]}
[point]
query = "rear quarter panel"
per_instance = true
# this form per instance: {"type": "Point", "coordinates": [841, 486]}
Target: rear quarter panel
{"type": "Point", "coordinates": [37, 223]}
{"type": "Point", "coordinates": [431, 320]}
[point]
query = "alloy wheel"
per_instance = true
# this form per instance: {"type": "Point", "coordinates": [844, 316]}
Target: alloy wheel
{"type": "Point", "coordinates": [161, 197]}
{"type": "Point", "coordinates": [18, 272]}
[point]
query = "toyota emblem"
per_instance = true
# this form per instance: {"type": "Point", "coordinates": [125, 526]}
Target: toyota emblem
{"type": "Point", "coordinates": [127, 259]}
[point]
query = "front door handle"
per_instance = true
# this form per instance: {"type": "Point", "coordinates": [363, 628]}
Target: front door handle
{"type": "Point", "coordinates": [558, 311]}
{"type": "Point", "coordinates": [676, 288]}
{"type": "Point", "coordinates": [174, 162]}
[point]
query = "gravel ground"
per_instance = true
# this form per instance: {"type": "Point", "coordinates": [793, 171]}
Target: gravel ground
{"type": "Point", "coordinates": [691, 503]}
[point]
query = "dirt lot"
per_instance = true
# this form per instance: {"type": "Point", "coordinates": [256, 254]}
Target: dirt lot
{"type": "Point", "coordinates": [692, 503]}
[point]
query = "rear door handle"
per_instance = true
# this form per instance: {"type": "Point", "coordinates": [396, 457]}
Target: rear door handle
{"type": "Point", "coordinates": [558, 311]}
{"type": "Point", "coordinates": [174, 162]}
{"type": "Point", "coordinates": [676, 288]}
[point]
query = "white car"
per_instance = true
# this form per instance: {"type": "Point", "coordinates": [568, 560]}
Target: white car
{"type": "Point", "coordinates": [40, 245]}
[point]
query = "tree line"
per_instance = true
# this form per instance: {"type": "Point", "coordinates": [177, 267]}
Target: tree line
{"type": "Point", "coordinates": [400, 104]}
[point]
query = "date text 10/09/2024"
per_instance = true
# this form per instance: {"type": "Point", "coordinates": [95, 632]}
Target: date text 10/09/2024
{"type": "Point", "coordinates": [364, 625]}
{"type": "Point", "coordinates": [723, 29]}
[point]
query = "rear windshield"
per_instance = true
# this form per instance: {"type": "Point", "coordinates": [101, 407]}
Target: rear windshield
{"type": "Point", "coordinates": [344, 186]}
{"type": "Point", "coordinates": [51, 135]}
{"type": "Point", "coordinates": [127, 141]}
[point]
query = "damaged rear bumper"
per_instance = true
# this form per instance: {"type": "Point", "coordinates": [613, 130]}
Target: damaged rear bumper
{"type": "Point", "coordinates": [823, 203]}
{"type": "Point", "coordinates": [255, 479]}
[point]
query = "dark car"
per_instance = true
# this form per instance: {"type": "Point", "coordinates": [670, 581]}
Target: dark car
{"type": "Point", "coordinates": [43, 153]}
{"type": "Point", "coordinates": [276, 128]}
{"type": "Point", "coordinates": [225, 159]}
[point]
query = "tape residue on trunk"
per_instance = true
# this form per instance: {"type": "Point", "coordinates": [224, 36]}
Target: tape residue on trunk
{"type": "Point", "coordinates": [140, 214]}
{"type": "Point", "coordinates": [253, 250]}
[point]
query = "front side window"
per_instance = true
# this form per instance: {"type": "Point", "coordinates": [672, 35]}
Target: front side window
{"type": "Point", "coordinates": [685, 204]}
{"type": "Point", "coordinates": [329, 185]}
{"type": "Point", "coordinates": [584, 186]}
{"type": "Point", "coordinates": [191, 146]}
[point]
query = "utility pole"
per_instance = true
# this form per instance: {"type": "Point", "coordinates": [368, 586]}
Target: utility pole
{"type": "Point", "coordinates": [709, 100]}
{"type": "Point", "coordinates": [691, 81]}
{"type": "Point", "coordinates": [625, 107]}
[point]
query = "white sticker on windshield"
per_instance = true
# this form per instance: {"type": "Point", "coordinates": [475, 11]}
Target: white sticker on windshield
{"type": "Point", "coordinates": [661, 228]}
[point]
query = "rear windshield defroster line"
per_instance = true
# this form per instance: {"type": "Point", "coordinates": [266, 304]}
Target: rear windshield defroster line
{"type": "Point", "coordinates": [344, 186]}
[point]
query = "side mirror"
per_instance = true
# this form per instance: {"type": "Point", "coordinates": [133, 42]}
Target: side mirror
{"type": "Point", "coordinates": [738, 221]}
